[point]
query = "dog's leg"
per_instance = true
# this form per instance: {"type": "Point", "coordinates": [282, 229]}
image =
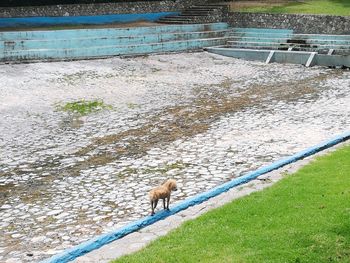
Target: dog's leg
{"type": "Point", "coordinates": [152, 202]}
{"type": "Point", "coordinates": [154, 205]}
{"type": "Point", "coordinates": [168, 200]}
{"type": "Point", "coordinates": [164, 203]}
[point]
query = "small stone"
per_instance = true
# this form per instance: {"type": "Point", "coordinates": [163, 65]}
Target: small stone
{"type": "Point", "coordinates": [6, 207]}
{"type": "Point", "coordinates": [12, 260]}
{"type": "Point", "coordinates": [52, 251]}
{"type": "Point", "coordinates": [38, 239]}
{"type": "Point", "coordinates": [41, 218]}
{"type": "Point", "coordinates": [62, 215]}
{"type": "Point", "coordinates": [54, 212]}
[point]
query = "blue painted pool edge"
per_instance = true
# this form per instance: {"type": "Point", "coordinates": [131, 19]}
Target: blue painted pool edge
{"type": "Point", "coordinates": [81, 20]}
{"type": "Point", "coordinates": [101, 240]}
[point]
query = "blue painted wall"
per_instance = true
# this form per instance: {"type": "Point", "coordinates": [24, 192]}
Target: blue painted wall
{"type": "Point", "coordinates": [108, 32]}
{"type": "Point", "coordinates": [93, 43]}
{"type": "Point", "coordinates": [81, 20]}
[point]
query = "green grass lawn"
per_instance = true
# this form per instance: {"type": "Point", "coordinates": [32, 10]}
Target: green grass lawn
{"type": "Point", "coordinates": [302, 218]}
{"type": "Point", "coordinates": [327, 7]}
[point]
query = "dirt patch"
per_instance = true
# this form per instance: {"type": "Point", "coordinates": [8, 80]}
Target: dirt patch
{"type": "Point", "coordinates": [185, 121]}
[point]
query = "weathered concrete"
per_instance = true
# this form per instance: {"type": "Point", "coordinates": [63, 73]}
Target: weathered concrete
{"type": "Point", "coordinates": [300, 23]}
{"type": "Point", "coordinates": [96, 43]}
{"type": "Point", "coordinates": [199, 118]}
{"type": "Point", "coordinates": [140, 239]}
{"type": "Point", "coordinates": [279, 56]}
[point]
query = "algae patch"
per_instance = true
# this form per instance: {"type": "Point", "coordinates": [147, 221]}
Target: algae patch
{"type": "Point", "coordinates": [84, 107]}
{"type": "Point", "coordinates": [152, 170]}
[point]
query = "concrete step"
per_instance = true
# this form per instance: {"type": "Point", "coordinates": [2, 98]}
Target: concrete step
{"type": "Point", "coordinates": [199, 9]}
{"type": "Point", "coordinates": [286, 44]}
{"type": "Point", "coordinates": [293, 57]}
{"type": "Point", "coordinates": [171, 20]}
{"type": "Point", "coordinates": [321, 36]}
{"type": "Point", "coordinates": [175, 17]}
{"type": "Point", "coordinates": [194, 14]}
{"type": "Point", "coordinates": [262, 30]}
{"type": "Point", "coordinates": [178, 22]}
{"type": "Point", "coordinates": [105, 51]}
{"type": "Point", "coordinates": [292, 39]}
{"type": "Point", "coordinates": [283, 46]}
{"type": "Point", "coordinates": [261, 34]}
{"type": "Point", "coordinates": [318, 50]}
{"type": "Point", "coordinates": [119, 40]}
{"type": "Point", "coordinates": [181, 16]}
{"type": "Point", "coordinates": [255, 39]}
{"type": "Point", "coordinates": [108, 32]}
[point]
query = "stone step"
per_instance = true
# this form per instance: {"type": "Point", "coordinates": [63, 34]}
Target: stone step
{"type": "Point", "coordinates": [178, 22]}
{"type": "Point", "coordinates": [199, 9]}
{"type": "Point", "coordinates": [175, 18]}
{"type": "Point", "coordinates": [195, 13]}
{"type": "Point", "coordinates": [171, 19]}
{"type": "Point", "coordinates": [180, 16]}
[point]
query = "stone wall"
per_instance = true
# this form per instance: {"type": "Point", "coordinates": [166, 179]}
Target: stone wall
{"type": "Point", "coordinates": [7, 3]}
{"type": "Point", "coordinates": [132, 7]}
{"type": "Point", "coordinates": [300, 23]}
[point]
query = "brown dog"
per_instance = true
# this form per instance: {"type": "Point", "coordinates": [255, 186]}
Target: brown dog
{"type": "Point", "coordinates": [162, 192]}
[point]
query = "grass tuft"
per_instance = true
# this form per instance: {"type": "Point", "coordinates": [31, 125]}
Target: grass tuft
{"type": "Point", "coordinates": [84, 107]}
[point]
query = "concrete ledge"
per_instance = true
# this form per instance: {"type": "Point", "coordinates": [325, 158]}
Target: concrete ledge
{"type": "Point", "coordinates": [292, 57]}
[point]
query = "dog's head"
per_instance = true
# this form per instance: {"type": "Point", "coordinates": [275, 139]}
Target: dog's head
{"type": "Point", "coordinates": [171, 184]}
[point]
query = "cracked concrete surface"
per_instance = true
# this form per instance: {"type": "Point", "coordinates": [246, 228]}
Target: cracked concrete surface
{"type": "Point", "coordinates": [199, 118]}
